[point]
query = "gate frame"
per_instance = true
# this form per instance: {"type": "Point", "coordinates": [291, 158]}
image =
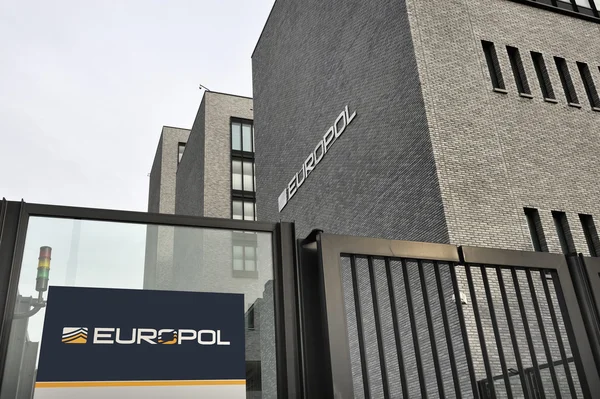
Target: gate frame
{"type": "Point", "coordinates": [330, 249]}
{"type": "Point", "coordinates": [13, 230]}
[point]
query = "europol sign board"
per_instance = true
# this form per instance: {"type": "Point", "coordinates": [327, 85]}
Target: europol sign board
{"type": "Point", "coordinates": [113, 343]}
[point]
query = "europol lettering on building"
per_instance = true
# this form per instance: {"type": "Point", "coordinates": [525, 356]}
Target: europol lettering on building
{"type": "Point", "coordinates": [332, 134]}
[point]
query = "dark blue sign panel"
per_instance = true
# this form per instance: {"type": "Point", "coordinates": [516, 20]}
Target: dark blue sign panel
{"type": "Point", "coordinates": [96, 334]}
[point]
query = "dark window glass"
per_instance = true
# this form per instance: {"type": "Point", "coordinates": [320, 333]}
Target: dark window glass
{"type": "Point", "coordinates": [542, 74]}
{"type": "Point", "coordinates": [591, 234]}
{"type": "Point", "coordinates": [588, 83]}
{"type": "Point", "coordinates": [565, 79]}
{"type": "Point", "coordinates": [518, 70]}
{"type": "Point", "coordinates": [493, 64]}
{"type": "Point", "coordinates": [564, 232]}
{"type": "Point", "coordinates": [538, 239]}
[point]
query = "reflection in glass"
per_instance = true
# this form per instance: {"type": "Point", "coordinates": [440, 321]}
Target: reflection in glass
{"type": "Point", "coordinates": [248, 177]}
{"type": "Point", "coordinates": [236, 174]}
{"type": "Point", "coordinates": [236, 136]}
{"type": "Point", "coordinates": [122, 255]}
{"type": "Point", "coordinates": [248, 210]}
{"type": "Point", "coordinates": [237, 210]}
{"type": "Point", "coordinates": [247, 137]}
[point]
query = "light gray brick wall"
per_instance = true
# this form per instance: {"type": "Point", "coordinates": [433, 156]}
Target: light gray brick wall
{"type": "Point", "coordinates": [497, 153]}
{"type": "Point", "coordinates": [220, 108]}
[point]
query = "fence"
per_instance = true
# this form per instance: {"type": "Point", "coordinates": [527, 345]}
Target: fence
{"type": "Point", "coordinates": [405, 319]}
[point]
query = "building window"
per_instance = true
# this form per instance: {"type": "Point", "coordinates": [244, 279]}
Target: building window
{"type": "Point", "coordinates": [250, 319]}
{"type": "Point", "coordinates": [565, 79]}
{"type": "Point", "coordinates": [245, 254]}
{"type": "Point", "coordinates": [493, 66]}
{"type": "Point", "coordinates": [585, 9]}
{"type": "Point", "coordinates": [538, 240]}
{"type": "Point", "coordinates": [543, 77]}
{"type": "Point", "coordinates": [518, 71]}
{"type": "Point", "coordinates": [243, 176]}
{"type": "Point", "coordinates": [588, 83]}
{"type": "Point", "coordinates": [180, 149]}
{"type": "Point", "coordinates": [564, 232]}
{"type": "Point", "coordinates": [591, 234]}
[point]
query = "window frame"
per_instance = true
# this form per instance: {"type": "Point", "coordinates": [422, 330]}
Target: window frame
{"type": "Point", "coordinates": [539, 64]}
{"type": "Point", "coordinates": [245, 196]}
{"type": "Point", "coordinates": [244, 240]}
{"type": "Point", "coordinates": [518, 70]}
{"type": "Point", "coordinates": [569, 8]}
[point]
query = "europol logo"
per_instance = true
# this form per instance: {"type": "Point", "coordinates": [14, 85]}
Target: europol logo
{"type": "Point", "coordinates": [75, 335]}
{"type": "Point", "coordinates": [167, 337]}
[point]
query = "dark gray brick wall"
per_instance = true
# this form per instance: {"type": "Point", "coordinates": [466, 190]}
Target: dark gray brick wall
{"type": "Point", "coordinates": [379, 178]}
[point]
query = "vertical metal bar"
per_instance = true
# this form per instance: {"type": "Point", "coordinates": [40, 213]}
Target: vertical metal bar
{"type": "Point", "coordinates": [359, 327]}
{"type": "Point", "coordinates": [447, 332]}
{"type": "Point", "coordinates": [561, 346]}
{"type": "Point", "coordinates": [540, 321]}
{"type": "Point", "coordinates": [486, 359]}
{"type": "Point", "coordinates": [395, 321]}
{"type": "Point", "coordinates": [464, 333]}
{"type": "Point", "coordinates": [513, 335]}
{"type": "Point", "coordinates": [536, 368]}
{"type": "Point", "coordinates": [434, 351]}
{"type": "Point", "coordinates": [488, 295]}
{"type": "Point", "coordinates": [578, 337]}
{"type": "Point", "coordinates": [384, 375]}
{"type": "Point", "coordinates": [12, 243]}
{"type": "Point", "coordinates": [413, 327]}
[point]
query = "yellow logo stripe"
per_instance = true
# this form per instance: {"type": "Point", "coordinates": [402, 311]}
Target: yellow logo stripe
{"type": "Point", "coordinates": [91, 384]}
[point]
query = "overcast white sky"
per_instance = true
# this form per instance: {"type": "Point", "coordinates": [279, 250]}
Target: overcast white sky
{"type": "Point", "coordinates": [85, 87]}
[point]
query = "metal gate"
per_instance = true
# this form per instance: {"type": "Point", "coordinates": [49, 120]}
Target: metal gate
{"type": "Point", "coordinates": [406, 319]}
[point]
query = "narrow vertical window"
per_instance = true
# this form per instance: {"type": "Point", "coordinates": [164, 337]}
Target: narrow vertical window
{"type": "Point", "coordinates": [493, 65]}
{"type": "Point", "coordinates": [542, 75]}
{"type": "Point", "coordinates": [591, 234]}
{"type": "Point", "coordinates": [565, 79]}
{"type": "Point", "coordinates": [180, 149]}
{"type": "Point", "coordinates": [538, 240]}
{"type": "Point", "coordinates": [564, 232]}
{"type": "Point", "coordinates": [588, 83]}
{"type": "Point", "coordinates": [518, 71]}
{"type": "Point", "coordinates": [243, 179]}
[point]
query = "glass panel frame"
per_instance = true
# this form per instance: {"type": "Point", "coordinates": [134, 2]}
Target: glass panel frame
{"type": "Point", "coordinates": [14, 262]}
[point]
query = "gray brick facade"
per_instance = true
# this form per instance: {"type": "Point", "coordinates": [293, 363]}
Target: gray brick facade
{"type": "Point", "coordinates": [379, 177]}
{"type": "Point", "coordinates": [435, 154]}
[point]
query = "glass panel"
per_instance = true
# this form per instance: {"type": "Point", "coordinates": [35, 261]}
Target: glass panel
{"type": "Point", "coordinates": [248, 178]}
{"type": "Point", "coordinates": [250, 265]}
{"type": "Point", "coordinates": [254, 172]}
{"type": "Point", "coordinates": [180, 151]}
{"type": "Point", "coordinates": [247, 137]}
{"type": "Point", "coordinates": [236, 175]}
{"type": "Point", "coordinates": [250, 253]}
{"type": "Point", "coordinates": [236, 136]}
{"type": "Point", "coordinates": [136, 256]}
{"type": "Point", "coordinates": [248, 210]}
{"type": "Point", "coordinates": [237, 211]}
{"type": "Point", "coordinates": [583, 3]}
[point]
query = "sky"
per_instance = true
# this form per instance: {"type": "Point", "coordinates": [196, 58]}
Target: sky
{"type": "Point", "coordinates": [86, 86]}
